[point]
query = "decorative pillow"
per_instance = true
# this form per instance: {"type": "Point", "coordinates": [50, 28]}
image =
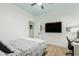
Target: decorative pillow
{"type": "Point", "coordinates": [6, 43]}
{"type": "Point", "coordinates": [4, 48]}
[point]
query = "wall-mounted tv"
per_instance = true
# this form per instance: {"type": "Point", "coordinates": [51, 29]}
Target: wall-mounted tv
{"type": "Point", "coordinates": [53, 27]}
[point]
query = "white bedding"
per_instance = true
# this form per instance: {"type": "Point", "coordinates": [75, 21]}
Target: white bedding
{"type": "Point", "coordinates": [28, 46]}
{"type": "Point", "coordinates": [39, 41]}
{"type": "Point", "coordinates": [2, 53]}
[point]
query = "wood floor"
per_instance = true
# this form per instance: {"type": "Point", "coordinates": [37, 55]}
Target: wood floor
{"type": "Point", "coordinates": [54, 50]}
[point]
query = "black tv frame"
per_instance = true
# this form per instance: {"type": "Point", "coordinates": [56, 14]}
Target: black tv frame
{"type": "Point", "coordinates": [54, 27]}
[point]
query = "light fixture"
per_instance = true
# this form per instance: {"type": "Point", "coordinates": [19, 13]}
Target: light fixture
{"type": "Point", "coordinates": [39, 4]}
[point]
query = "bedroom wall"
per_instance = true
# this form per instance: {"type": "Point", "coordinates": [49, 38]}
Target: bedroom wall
{"type": "Point", "coordinates": [51, 38]}
{"type": "Point", "coordinates": [70, 18]}
{"type": "Point", "coordinates": [14, 22]}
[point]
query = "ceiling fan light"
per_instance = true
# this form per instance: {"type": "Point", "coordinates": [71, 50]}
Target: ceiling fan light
{"type": "Point", "coordinates": [40, 4]}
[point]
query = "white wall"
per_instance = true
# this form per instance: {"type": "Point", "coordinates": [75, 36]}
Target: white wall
{"type": "Point", "coordinates": [13, 22]}
{"type": "Point", "coordinates": [51, 38]}
{"type": "Point", "coordinates": [68, 15]}
{"type": "Point", "coordinates": [68, 19]}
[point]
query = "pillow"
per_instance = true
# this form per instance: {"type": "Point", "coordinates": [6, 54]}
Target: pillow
{"type": "Point", "coordinates": [6, 43]}
{"type": "Point", "coordinates": [4, 48]}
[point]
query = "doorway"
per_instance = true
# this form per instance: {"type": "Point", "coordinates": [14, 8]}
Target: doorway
{"type": "Point", "coordinates": [31, 29]}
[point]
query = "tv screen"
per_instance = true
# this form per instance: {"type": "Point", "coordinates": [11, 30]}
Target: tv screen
{"type": "Point", "coordinates": [53, 27]}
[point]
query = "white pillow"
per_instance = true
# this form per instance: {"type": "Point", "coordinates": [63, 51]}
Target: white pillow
{"type": "Point", "coordinates": [36, 40]}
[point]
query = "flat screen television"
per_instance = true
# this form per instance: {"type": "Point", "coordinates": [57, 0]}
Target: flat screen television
{"type": "Point", "coordinates": [53, 27]}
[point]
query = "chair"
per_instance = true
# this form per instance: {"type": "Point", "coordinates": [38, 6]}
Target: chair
{"type": "Point", "coordinates": [70, 47]}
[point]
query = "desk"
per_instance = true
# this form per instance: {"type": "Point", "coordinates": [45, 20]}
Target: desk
{"type": "Point", "coordinates": [76, 48]}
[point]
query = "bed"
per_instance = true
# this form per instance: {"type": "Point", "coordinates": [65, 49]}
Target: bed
{"type": "Point", "coordinates": [27, 47]}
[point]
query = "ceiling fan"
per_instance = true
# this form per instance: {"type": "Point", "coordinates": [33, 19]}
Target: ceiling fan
{"type": "Point", "coordinates": [40, 4]}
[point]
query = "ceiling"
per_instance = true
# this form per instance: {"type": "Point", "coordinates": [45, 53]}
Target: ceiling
{"type": "Point", "coordinates": [55, 8]}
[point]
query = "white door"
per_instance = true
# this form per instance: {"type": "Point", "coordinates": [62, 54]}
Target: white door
{"type": "Point", "coordinates": [31, 29]}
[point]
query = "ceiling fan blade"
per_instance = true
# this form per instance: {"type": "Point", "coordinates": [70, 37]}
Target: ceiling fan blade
{"type": "Point", "coordinates": [42, 7]}
{"type": "Point", "coordinates": [33, 4]}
